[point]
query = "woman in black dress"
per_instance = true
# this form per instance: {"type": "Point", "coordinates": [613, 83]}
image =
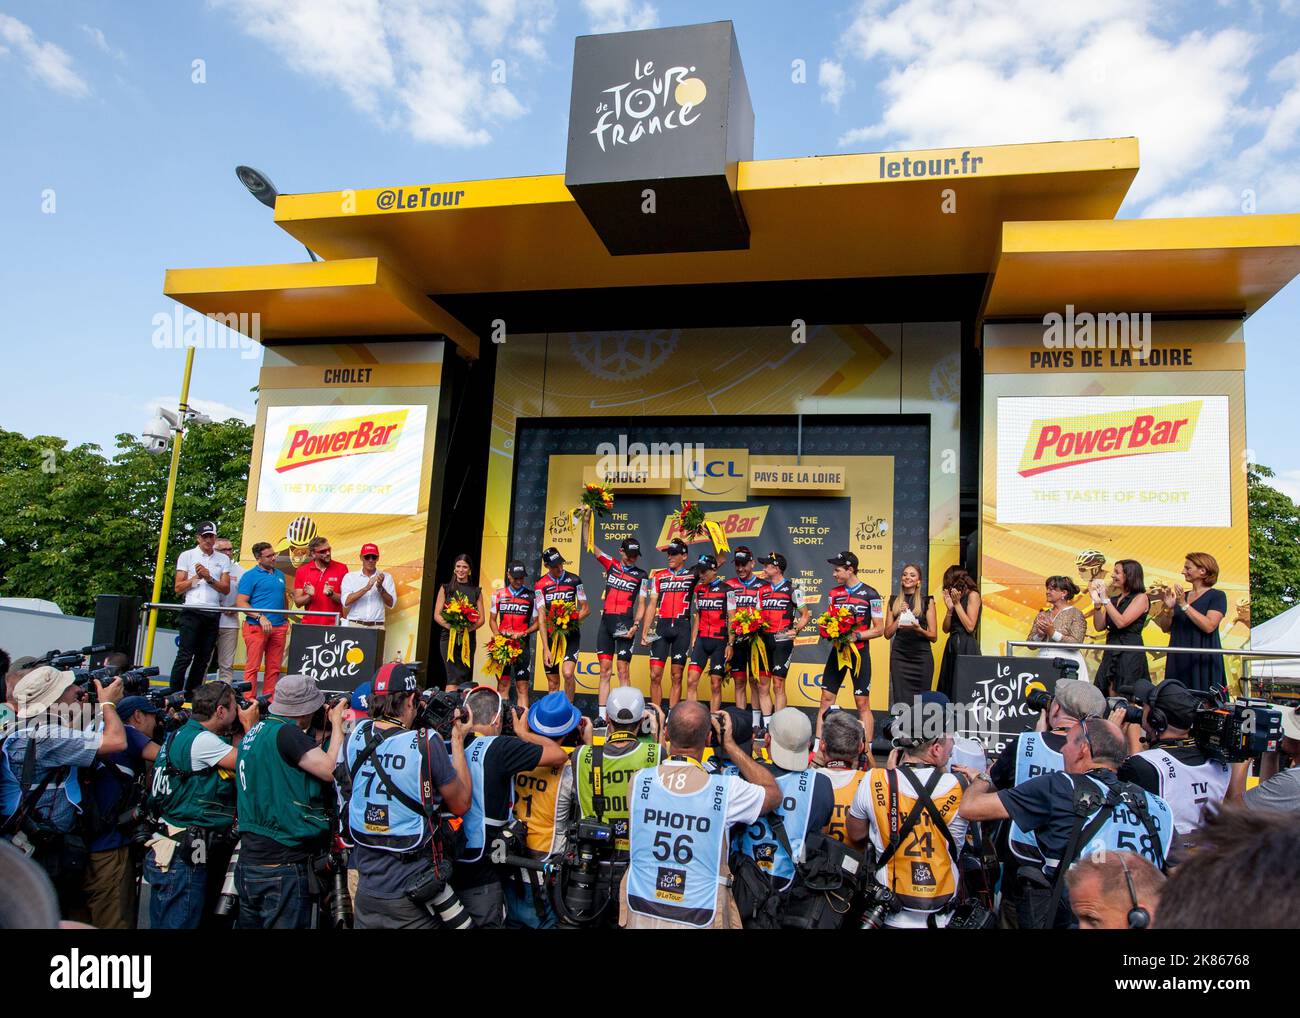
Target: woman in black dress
{"type": "Point", "coordinates": [1122, 616]}
{"type": "Point", "coordinates": [1191, 618]}
{"type": "Point", "coordinates": [458, 673]}
{"type": "Point", "coordinates": [962, 602]}
{"type": "Point", "coordinates": [910, 627]}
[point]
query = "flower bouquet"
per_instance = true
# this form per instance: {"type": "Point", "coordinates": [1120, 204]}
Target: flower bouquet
{"type": "Point", "coordinates": [746, 624]}
{"type": "Point", "coordinates": [837, 625]}
{"type": "Point", "coordinates": [502, 651]}
{"type": "Point", "coordinates": [692, 521]}
{"type": "Point", "coordinates": [562, 623]}
{"type": "Point", "coordinates": [461, 617]}
{"type": "Point", "coordinates": [597, 500]}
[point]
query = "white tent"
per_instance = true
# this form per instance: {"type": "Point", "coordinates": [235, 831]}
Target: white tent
{"type": "Point", "coordinates": [1280, 633]}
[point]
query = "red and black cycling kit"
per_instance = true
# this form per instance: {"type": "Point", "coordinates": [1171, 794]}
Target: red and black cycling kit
{"type": "Point", "coordinates": [782, 603]}
{"type": "Point", "coordinates": [674, 594]}
{"type": "Point", "coordinates": [624, 586]}
{"type": "Point", "coordinates": [514, 608]}
{"type": "Point", "coordinates": [565, 587]}
{"type": "Point", "coordinates": [744, 594]}
{"type": "Point", "coordinates": [865, 603]}
{"type": "Point", "coordinates": [711, 634]}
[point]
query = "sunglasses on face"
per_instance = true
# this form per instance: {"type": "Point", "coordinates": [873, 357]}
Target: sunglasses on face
{"type": "Point", "coordinates": [370, 558]}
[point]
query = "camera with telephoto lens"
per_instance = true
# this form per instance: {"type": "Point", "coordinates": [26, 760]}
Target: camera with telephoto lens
{"type": "Point", "coordinates": [1238, 731]}
{"type": "Point", "coordinates": [437, 710]}
{"type": "Point", "coordinates": [1037, 697]}
{"type": "Point", "coordinates": [881, 903]}
{"type": "Point", "coordinates": [589, 855]}
{"type": "Point", "coordinates": [229, 896]}
{"type": "Point", "coordinates": [971, 915]}
{"type": "Point", "coordinates": [433, 890]}
{"type": "Point", "coordinates": [1132, 712]}
{"type": "Point", "coordinates": [135, 681]}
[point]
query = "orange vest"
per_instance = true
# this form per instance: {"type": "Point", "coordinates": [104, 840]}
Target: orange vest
{"type": "Point", "coordinates": [845, 782]}
{"type": "Point", "coordinates": [922, 872]}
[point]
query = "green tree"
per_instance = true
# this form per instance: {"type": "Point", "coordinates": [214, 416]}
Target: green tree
{"type": "Point", "coordinates": [74, 523]}
{"type": "Point", "coordinates": [1274, 547]}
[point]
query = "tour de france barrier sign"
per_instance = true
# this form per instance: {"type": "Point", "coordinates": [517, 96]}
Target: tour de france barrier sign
{"type": "Point", "coordinates": [339, 658]}
{"type": "Point", "coordinates": [991, 692]}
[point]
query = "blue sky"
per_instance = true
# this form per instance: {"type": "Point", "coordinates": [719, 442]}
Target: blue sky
{"type": "Point", "coordinates": [102, 120]}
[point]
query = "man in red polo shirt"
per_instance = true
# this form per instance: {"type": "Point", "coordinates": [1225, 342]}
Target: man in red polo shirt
{"type": "Point", "coordinates": [317, 585]}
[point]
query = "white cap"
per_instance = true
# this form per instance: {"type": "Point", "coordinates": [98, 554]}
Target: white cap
{"type": "Point", "coordinates": [625, 706]}
{"type": "Point", "coordinates": [791, 733]}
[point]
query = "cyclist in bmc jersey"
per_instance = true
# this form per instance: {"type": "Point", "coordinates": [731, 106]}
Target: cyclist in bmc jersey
{"type": "Point", "coordinates": [868, 608]}
{"type": "Point", "coordinates": [560, 585]}
{"type": "Point", "coordinates": [671, 593]}
{"type": "Point", "coordinates": [785, 613]}
{"type": "Point", "coordinates": [747, 592]}
{"type": "Point", "coordinates": [709, 633]}
{"type": "Point", "coordinates": [514, 614]}
{"type": "Point", "coordinates": [621, 614]}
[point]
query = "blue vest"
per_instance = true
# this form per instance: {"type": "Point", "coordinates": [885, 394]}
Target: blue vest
{"type": "Point", "coordinates": [475, 821]}
{"type": "Point", "coordinates": [760, 844]}
{"type": "Point", "coordinates": [376, 818]}
{"type": "Point", "coordinates": [1033, 757]}
{"type": "Point", "coordinates": [1124, 830]}
{"type": "Point", "coordinates": [676, 849]}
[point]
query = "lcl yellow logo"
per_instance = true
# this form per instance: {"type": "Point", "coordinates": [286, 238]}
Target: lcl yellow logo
{"type": "Point", "coordinates": [719, 475]}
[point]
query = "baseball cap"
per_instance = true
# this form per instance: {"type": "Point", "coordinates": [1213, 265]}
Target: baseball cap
{"type": "Point", "coordinates": [676, 547]}
{"type": "Point", "coordinates": [626, 705]}
{"type": "Point", "coordinates": [516, 569]}
{"type": "Point", "coordinates": [40, 689]}
{"type": "Point", "coordinates": [359, 704]}
{"type": "Point", "coordinates": [554, 716]}
{"type": "Point", "coordinates": [775, 558]}
{"type": "Point", "coordinates": [128, 705]}
{"type": "Point", "coordinates": [1172, 697]}
{"type": "Point", "coordinates": [846, 559]}
{"type": "Point", "coordinates": [929, 722]}
{"type": "Point", "coordinates": [742, 555]}
{"type": "Point", "coordinates": [552, 557]}
{"type": "Point", "coordinates": [1080, 699]}
{"type": "Point", "coordinates": [791, 736]}
{"type": "Point", "coordinates": [296, 696]}
{"type": "Point", "coordinates": [631, 545]}
{"type": "Point", "coordinates": [370, 549]}
{"type": "Point", "coordinates": [206, 527]}
{"type": "Point", "coordinates": [393, 677]}
{"type": "Point", "coordinates": [708, 561]}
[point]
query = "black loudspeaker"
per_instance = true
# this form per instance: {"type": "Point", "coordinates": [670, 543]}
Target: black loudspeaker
{"type": "Point", "coordinates": [117, 624]}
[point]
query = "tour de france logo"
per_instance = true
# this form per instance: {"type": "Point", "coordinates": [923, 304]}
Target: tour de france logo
{"type": "Point", "coordinates": [871, 529]}
{"type": "Point", "coordinates": [651, 103]}
{"type": "Point", "coordinates": [559, 525]}
{"type": "Point", "coordinates": [623, 356]}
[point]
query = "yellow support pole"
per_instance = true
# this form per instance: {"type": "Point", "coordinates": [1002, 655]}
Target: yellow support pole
{"type": "Point", "coordinates": [161, 564]}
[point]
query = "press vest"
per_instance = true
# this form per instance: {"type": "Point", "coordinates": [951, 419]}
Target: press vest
{"type": "Point", "coordinates": [536, 794]}
{"type": "Point", "coordinates": [677, 849]}
{"type": "Point", "coordinates": [1187, 787]}
{"type": "Point", "coordinates": [377, 818]}
{"type": "Point", "coordinates": [615, 776]}
{"type": "Point", "coordinates": [476, 822]}
{"type": "Point", "coordinates": [189, 798]}
{"type": "Point", "coordinates": [276, 799]}
{"type": "Point", "coordinates": [1124, 830]}
{"type": "Point", "coordinates": [1033, 757]}
{"type": "Point", "coordinates": [760, 844]}
{"type": "Point", "coordinates": [845, 784]}
{"type": "Point", "coordinates": [922, 872]}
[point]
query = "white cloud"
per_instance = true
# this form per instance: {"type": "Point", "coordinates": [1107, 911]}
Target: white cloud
{"type": "Point", "coordinates": [216, 410]}
{"type": "Point", "coordinates": [47, 62]}
{"type": "Point", "coordinates": [423, 66]}
{"type": "Point", "coordinates": [620, 15]}
{"type": "Point", "coordinates": [833, 80]}
{"type": "Point", "coordinates": [1287, 482]}
{"type": "Point", "coordinates": [101, 43]}
{"type": "Point", "coordinates": [982, 72]}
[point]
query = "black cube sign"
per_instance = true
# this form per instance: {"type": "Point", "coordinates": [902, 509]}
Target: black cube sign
{"type": "Point", "coordinates": [339, 658]}
{"type": "Point", "coordinates": [658, 122]}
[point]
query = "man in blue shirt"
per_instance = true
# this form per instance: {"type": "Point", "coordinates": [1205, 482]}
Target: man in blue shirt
{"type": "Point", "coordinates": [264, 632]}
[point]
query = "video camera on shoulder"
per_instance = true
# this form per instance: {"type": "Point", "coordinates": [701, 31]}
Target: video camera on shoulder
{"type": "Point", "coordinates": [1238, 731]}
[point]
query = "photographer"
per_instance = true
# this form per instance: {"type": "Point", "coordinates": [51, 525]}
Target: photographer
{"type": "Point", "coordinates": [399, 778]}
{"type": "Point", "coordinates": [1071, 814]}
{"type": "Point", "coordinates": [1277, 789]}
{"type": "Point", "coordinates": [40, 767]}
{"type": "Point", "coordinates": [1114, 891]}
{"type": "Point", "coordinates": [910, 813]}
{"type": "Point", "coordinates": [116, 787]}
{"type": "Point", "coordinates": [192, 792]}
{"type": "Point", "coordinates": [843, 742]}
{"type": "Point", "coordinates": [1174, 767]}
{"type": "Point", "coordinates": [494, 759]}
{"type": "Point", "coordinates": [542, 798]}
{"type": "Point", "coordinates": [677, 876]}
{"type": "Point", "coordinates": [285, 781]}
{"type": "Point", "coordinates": [1027, 756]}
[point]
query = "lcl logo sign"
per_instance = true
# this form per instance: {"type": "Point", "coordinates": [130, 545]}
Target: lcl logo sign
{"type": "Point", "coordinates": [719, 475]}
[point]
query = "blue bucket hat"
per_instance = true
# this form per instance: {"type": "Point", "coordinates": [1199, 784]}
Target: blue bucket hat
{"type": "Point", "coordinates": [553, 715]}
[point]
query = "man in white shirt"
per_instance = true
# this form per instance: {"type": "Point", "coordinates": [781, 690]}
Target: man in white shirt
{"type": "Point", "coordinates": [202, 576]}
{"type": "Point", "coordinates": [228, 627]}
{"type": "Point", "coordinates": [366, 593]}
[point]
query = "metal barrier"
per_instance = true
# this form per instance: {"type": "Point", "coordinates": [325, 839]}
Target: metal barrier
{"type": "Point", "coordinates": [149, 607]}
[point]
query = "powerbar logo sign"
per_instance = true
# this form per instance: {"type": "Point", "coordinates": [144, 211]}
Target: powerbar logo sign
{"type": "Point", "coordinates": [1071, 441]}
{"type": "Point", "coordinates": [1133, 460]}
{"type": "Point", "coordinates": [355, 436]}
{"type": "Point", "coordinates": [342, 459]}
{"type": "Point", "coordinates": [736, 523]}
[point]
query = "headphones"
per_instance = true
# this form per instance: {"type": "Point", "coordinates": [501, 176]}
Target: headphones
{"type": "Point", "coordinates": [1138, 917]}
